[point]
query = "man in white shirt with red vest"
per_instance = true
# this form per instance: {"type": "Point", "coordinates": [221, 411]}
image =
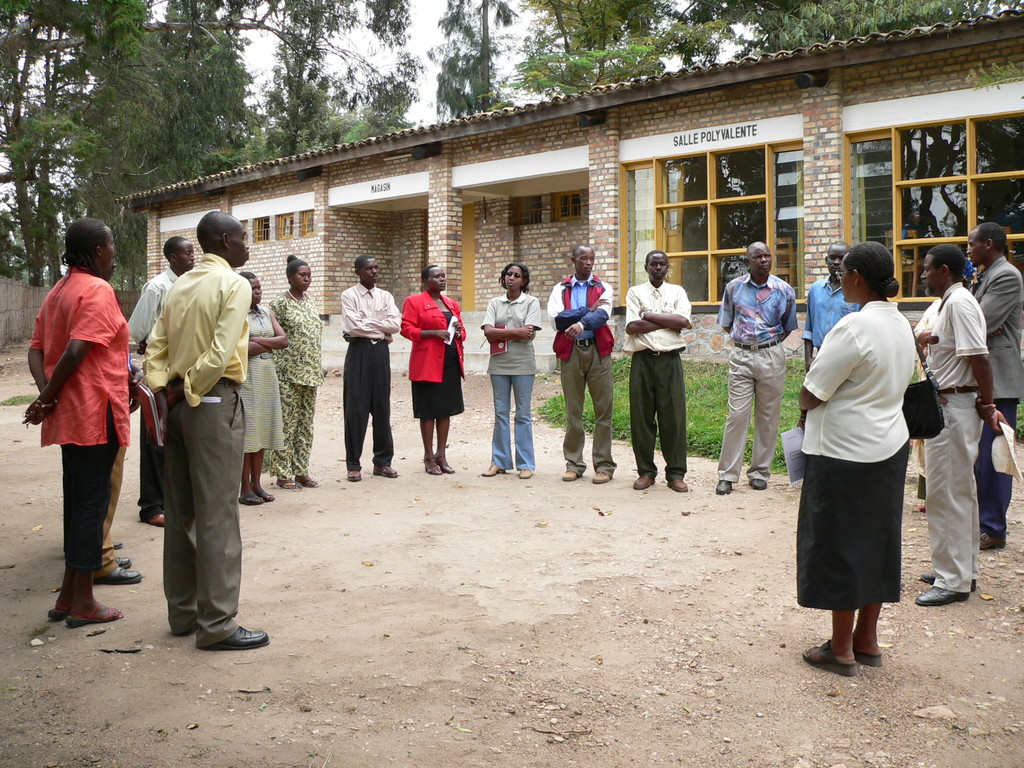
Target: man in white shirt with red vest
{"type": "Point", "coordinates": [580, 307]}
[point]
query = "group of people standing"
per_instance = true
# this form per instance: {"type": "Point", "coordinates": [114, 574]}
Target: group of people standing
{"type": "Point", "coordinates": [236, 378]}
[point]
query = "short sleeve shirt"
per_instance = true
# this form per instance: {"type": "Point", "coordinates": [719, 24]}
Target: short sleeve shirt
{"type": "Point", "coordinates": [758, 314]}
{"type": "Point", "coordinates": [83, 307]}
{"type": "Point", "coordinates": [961, 332]}
{"type": "Point", "coordinates": [519, 360]}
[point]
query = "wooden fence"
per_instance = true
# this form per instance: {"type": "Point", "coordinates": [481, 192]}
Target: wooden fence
{"type": "Point", "coordinates": [20, 303]}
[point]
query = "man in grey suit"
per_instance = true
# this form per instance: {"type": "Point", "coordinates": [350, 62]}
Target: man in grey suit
{"type": "Point", "coordinates": [1000, 292]}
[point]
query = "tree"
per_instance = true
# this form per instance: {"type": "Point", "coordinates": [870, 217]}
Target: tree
{"type": "Point", "coordinates": [80, 82]}
{"type": "Point", "coordinates": [466, 59]}
{"type": "Point", "coordinates": [777, 25]}
{"type": "Point", "coordinates": [575, 46]}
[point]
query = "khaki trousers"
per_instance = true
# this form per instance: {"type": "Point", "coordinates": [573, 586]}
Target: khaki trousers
{"type": "Point", "coordinates": [109, 556]}
{"type": "Point", "coordinates": [586, 369]}
{"type": "Point", "coordinates": [202, 540]}
{"type": "Point", "coordinates": [756, 378]}
{"type": "Point", "coordinates": [953, 495]}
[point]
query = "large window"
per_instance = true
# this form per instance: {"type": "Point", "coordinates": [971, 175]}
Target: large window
{"type": "Point", "coordinates": [913, 187]}
{"type": "Point", "coordinates": [708, 208]}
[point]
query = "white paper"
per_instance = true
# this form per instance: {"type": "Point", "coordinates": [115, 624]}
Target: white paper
{"type": "Point", "coordinates": [209, 399]}
{"type": "Point", "coordinates": [451, 329]}
{"type": "Point", "coordinates": [792, 449]}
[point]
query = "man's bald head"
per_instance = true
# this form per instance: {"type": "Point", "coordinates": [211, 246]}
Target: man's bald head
{"type": "Point", "coordinates": [222, 234]}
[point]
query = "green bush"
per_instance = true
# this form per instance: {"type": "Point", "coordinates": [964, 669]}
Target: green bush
{"type": "Point", "coordinates": [707, 406]}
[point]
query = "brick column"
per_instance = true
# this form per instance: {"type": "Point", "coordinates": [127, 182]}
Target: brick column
{"type": "Point", "coordinates": [823, 173]}
{"type": "Point", "coordinates": [154, 246]}
{"type": "Point", "coordinates": [444, 222]}
{"type": "Point", "coordinates": [603, 209]}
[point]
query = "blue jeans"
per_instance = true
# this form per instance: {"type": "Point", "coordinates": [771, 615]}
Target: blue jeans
{"type": "Point", "coordinates": [501, 447]}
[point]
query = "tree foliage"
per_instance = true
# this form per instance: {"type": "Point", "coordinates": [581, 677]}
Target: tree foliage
{"type": "Point", "coordinates": [103, 98]}
{"type": "Point", "coordinates": [575, 46]}
{"type": "Point", "coordinates": [465, 81]}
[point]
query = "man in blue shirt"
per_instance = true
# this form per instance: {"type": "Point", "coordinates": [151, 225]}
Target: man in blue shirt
{"type": "Point", "coordinates": [825, 303]}
{"type": "Point", "coordinates": [758, 311]}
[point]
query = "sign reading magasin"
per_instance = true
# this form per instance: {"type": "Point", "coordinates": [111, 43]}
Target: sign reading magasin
{"type": "Point", "coordinates": [715, 135]}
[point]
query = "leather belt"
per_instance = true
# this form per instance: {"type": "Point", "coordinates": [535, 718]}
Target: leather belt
{"type": "Point", "coordinates": [755, 347]}
{"type": "Point", "coordinates": [265, 355]}
{"type": "Point", "coordinates": [652, 353]}
{"type": "Point", "coordinates": [957, 390]}
{"type": "Point", "coordinates": [583, 342]}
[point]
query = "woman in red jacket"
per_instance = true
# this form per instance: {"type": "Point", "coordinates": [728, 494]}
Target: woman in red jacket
{"type": "Point", "coordinates": [434, 326]}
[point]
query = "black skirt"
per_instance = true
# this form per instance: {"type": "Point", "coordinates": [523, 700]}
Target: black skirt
{"type": "Point", "coordinates": [439, 400]}
{"type": "Point", "coordinates": [849, 532]}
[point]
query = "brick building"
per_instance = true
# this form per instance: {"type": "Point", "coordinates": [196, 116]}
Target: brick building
{"type": "Point", "coordinates": [892, 137]}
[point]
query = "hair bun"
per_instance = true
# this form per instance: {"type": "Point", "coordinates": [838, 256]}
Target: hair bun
{"type": "Point", "coordinates": [891, 287]}
{"type": "Point", "coordinates": [291, 258]}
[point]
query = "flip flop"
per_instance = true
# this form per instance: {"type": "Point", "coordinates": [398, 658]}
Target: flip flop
{"type": "Point", "coordinates": [80, 621]}
{"type": "Point", "coordinates": [821, 656]}
{"type": "Point", "coordinates": [288, 485]}
{"type": "Point", "coordinates": [868, 659]}
{"type": "Point", "coordinates": [57, 613]}
{"type": "Point", "coordinates": [267, 498]}
{"type": "Point", "coordinates": [308, 482]}
{"type": "Point", "coordinates": [250, 500]}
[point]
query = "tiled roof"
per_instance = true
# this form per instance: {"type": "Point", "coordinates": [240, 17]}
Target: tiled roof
{"type": "Point", "coordinates": [588, 100]}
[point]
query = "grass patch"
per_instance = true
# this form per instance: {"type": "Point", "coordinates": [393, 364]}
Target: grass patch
{"type": "Point", "coordinates": [19, 400]}
{"type": "Point", "coordinates": [707, 405]}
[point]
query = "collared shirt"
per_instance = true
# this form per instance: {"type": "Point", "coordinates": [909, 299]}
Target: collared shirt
{"type": "Point", "coordinates": [825, 307]}
{"type": "Point", "coordinates": [960, 329]}
{"type": "Point", "coordinates": [203, 331]}
{"type": "Point", "coordinates": [579, 299]}
{"type": "Point", "coordinates": [369, 313]}
{"type": "Point", "coordinates": [82, 306]}
{"type": "Point", "coordinates": [518, 358]}
{"type": "Point", "coordinates": [758, 314]}
{"type": "Point", "coordinates": [146, 312]}
{"type": "Point", "coordinates": [860, 375]}
{"type": "Point", "coordinates": [668, 299]}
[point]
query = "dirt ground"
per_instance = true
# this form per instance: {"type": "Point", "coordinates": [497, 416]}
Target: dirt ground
{"type": "Point", "coordinates": [469, 621]}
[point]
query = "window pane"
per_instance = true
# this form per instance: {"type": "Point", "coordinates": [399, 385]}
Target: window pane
{"type": "Point", "coordinates": [1002, 202]}
{"type": "Point", "coordinates": [871, 191]}
{"type": "Point", "coordinates": [686, 179]}
{"type": "Point", "coordinates": [934, 211]}
{"type": "Point", "coordinates": [740, 173]}
{"type": "Point", "coordinates": [729, 268]}
{"type": "Point", "coordinates": [740, 224]}
{"type": "Point", "coordinates": [685, 229]}
{"type": "Point", "coordinates": [935, 151]}
{"type": "Point", "coordinates": [908, 270]}
{"type": "Point", "coordinates": [639, 221]}
{"type": "Point", "coordinates": [692, 274]}
{"type": "Point", "coordinates": [1000, 144]}
{"type": "Point", "coordinates": [789, 215]}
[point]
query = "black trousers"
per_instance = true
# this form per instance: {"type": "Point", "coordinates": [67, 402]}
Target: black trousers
{"type": "Point", "coordinates": [87, 471]}
{"type": "Point", "coordinates": [151, 475]}
{"type": "Point", "coordinates": [367, 393]}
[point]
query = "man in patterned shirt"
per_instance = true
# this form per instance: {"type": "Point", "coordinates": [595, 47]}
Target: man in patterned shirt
{"type": "Point", "coordinates": [758, 311]}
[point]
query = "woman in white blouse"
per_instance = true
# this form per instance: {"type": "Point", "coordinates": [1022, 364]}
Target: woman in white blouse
{"type": "Point", "coordinates": [851, 503]}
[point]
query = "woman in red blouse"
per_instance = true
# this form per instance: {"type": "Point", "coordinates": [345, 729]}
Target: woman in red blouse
{"type": "Point", "coordinates": [79, 360]}
{"type": "Point", "coordinates": [433, 324]}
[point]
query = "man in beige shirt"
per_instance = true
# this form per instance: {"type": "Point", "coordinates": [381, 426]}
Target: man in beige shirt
{"type": "Point", "coordinates": [196, 359]}
{"type": "Point", "coordinates": [656, 315]}
{"type": "Point", "coordinates": [369, 318]}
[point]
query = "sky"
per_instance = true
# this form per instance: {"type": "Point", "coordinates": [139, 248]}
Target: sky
{"type": "Point", "coordinates": [423, 35]}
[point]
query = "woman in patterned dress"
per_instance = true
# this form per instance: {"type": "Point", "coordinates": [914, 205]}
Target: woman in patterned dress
{"type": "Point", "coordinates": [299, 373]}
{"type": "Point", "coordinates": [261, 395]}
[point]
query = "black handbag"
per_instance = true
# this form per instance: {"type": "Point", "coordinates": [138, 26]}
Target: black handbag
{"type": "Point", "coordinates": [921, 407]}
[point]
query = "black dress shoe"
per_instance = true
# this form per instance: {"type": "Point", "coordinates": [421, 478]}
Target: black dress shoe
{"type": "Point", "coordinates": [119, 576]}
{"type": "Point", "coordinates": [124, 562]}
{"type": "Point", "coordinates": [940, 596]}
{"type": "Point", "coordinates": [929, 578]}
{"type": "Point", "coordinates": [723, 487]}
{"type": "Point", "coordinates": [758, 484]}
{"type": "Point", "coordinates": [240, 640]}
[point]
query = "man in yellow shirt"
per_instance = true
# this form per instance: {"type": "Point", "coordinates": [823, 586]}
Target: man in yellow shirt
{"type": "Point", "coordinates": [197, 356]}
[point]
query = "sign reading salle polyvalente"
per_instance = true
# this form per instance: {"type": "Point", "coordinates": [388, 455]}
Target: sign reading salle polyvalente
{"type": "Point", "coordinates": [710, 135]}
